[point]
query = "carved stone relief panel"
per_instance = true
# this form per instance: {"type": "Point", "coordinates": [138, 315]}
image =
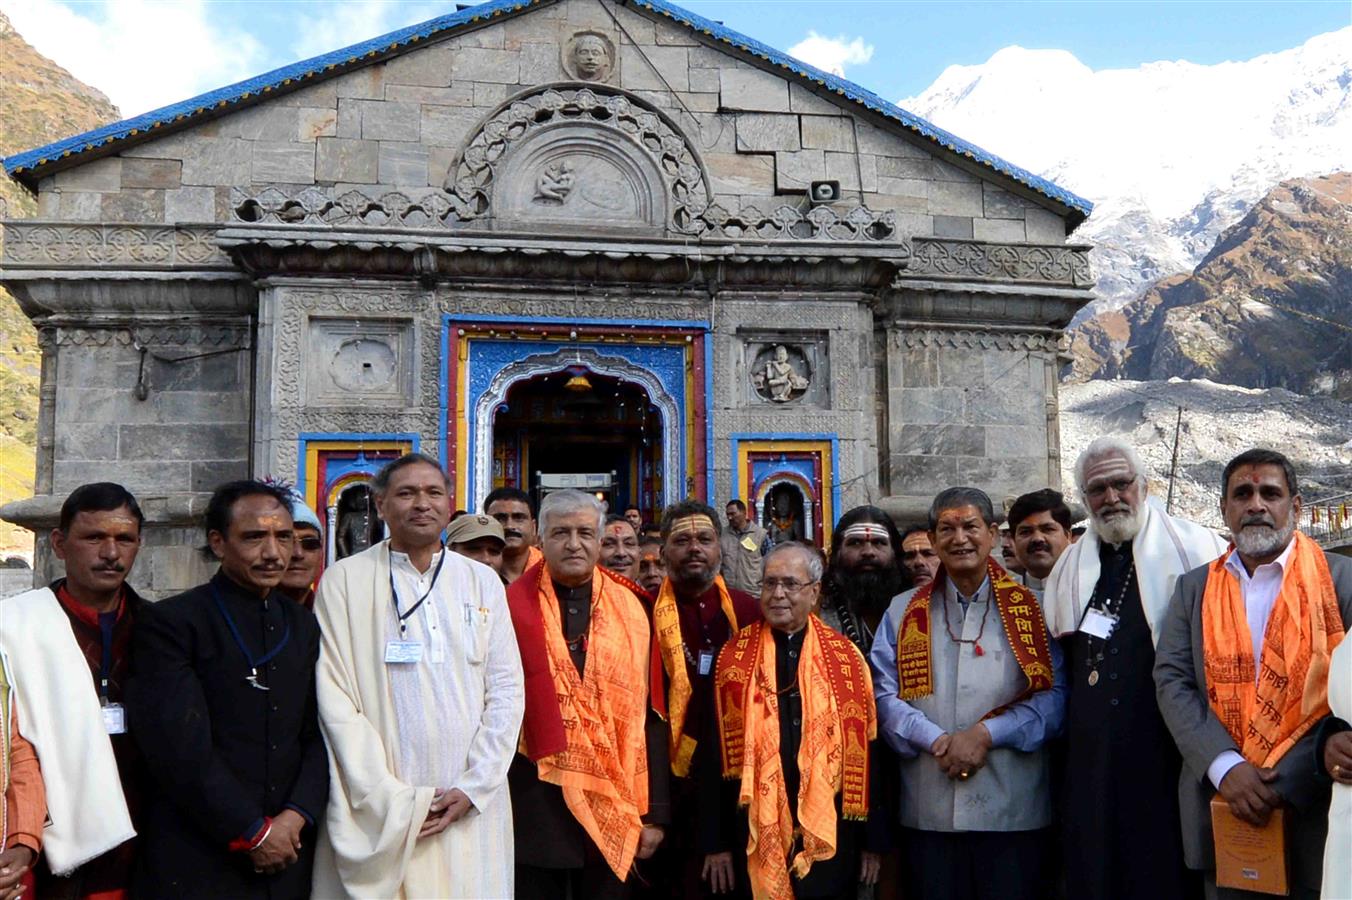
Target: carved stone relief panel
{"type": "Point", "coordinates": [356, 363]}
{"type": "Point", "coordinates": [590, 56]}
{"type": "Point", "coordinates": [622, 131]}
{"type": "Point", "coordinates": [575, 176]}
{"type": "Point", "coordinates": [785, 368]}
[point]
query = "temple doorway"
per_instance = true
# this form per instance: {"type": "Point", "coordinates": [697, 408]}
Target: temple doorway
{"type": "Point", "coordinates": [579, 428]}
{"type": "Point", "coordinates": [786, 513]}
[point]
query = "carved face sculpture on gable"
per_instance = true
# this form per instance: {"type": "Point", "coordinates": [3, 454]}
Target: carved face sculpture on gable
{"type": "Point", "coordinates": [589, 57]}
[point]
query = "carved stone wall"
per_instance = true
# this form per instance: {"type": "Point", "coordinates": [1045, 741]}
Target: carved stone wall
{"type": "Point", "coordinates": [839, 328]}
{"type": "Point", "coordinates": [969, 405]}
{"type": "Point", "coordinates": [161, 408]}
{"type": "Point", "coordinates": [287, 265]}
{"type": "Point", "coordinates": [317, 337]}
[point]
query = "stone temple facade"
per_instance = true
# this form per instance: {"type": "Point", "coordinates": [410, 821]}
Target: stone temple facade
{"type": "Point", "coordinates": [574, 242]}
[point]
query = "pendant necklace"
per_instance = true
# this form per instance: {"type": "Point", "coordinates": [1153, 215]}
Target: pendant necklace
{"type": "Point", "coordinates": [1113, 611]}
{"type": "Point", "coordinates": [976, 641]}
{"type": "Point", "coordinates": [254, 664]}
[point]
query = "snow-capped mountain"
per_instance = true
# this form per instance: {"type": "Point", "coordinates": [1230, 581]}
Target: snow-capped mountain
{"type": "Point", "coordinates": [1171, 153]}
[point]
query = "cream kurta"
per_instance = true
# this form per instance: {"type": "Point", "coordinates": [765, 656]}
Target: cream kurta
{"type": "Point", "coordinates": [1338, 850]}
{"type": "Point", "coordinates": [449, 721]}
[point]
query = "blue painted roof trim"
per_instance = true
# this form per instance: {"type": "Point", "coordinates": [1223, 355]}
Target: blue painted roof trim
{"type": "Point", "coordinates": [285, 77]}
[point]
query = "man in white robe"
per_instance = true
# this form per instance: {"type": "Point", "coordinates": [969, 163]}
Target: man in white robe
{"type": "Point", "coordinates": [420, 700]}
{"type": "Point", "coordinates": [1106, 598]}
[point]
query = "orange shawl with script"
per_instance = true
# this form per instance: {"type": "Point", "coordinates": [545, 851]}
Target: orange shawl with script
{"type": "Point", "coordinates": [1267, 709]}
{"type": "Point", "coordinates": [667, 620]}
{"type": "Point", "coordinates": [839, 720]}
{"type": "Point", "coordinates": [604, 770]}
{"type": "Point", "coordinates": [1025, 630]}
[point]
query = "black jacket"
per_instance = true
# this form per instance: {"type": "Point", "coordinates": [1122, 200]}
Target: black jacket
{"type": "Point", "coordinates": [221, 753]}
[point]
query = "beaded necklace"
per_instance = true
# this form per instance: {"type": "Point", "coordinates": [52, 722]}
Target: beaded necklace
{"type": "Point", "coordinates": [976, 641]}
{"type": "Point", "coordinates": [1113, 611]}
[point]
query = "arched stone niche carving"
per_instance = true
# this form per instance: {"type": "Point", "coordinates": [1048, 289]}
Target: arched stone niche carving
{"type": "Point", "coordinates": [578, 176]}
{"type": "Point", "coordinates": [598, 130]}
{"type": "Point", "coordinates": [673, 479]}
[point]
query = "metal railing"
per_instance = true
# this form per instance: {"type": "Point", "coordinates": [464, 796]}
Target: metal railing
{"type": "Point", "coordinates": [1328, 520]}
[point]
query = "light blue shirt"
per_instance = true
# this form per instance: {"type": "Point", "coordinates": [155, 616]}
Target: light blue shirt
{"type": "Point", "coordinates": [1025, 726]}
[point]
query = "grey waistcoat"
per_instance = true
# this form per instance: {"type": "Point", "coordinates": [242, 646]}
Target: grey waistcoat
{"type": "Point", "coordinates": [1012, 791]}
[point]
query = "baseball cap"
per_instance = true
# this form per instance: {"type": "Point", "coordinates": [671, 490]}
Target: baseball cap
{"type": "Point", "coordinates": [470, 527]}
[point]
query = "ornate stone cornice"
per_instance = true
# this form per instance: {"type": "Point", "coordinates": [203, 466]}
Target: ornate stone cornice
{"type": "Point", "coordinates": [67, 245]}
{"type": "Point", "coordinates": [224, 336]}
{"type": "Point", "coordinates": [433, 257]}
{"type": "Point", "coordinates": [964, 260]}
{"type": "Point", "coordinates": [921, 336]}
{"type": "Point", "coordinates": [107, 299]}
{"type": "Point", "coordinates": [435, 211]}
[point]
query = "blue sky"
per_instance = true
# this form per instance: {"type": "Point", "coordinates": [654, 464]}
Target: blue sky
{"type": "Point", "coordinates": [146, 53]}
{"type": "Point", "coordinates": [915, 41]}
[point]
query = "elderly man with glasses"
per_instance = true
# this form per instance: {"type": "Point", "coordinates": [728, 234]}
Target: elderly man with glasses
{"type": "Point", "coordinates": [1106, 598]}
{"type": "Point", "coordinates": [796, 715]}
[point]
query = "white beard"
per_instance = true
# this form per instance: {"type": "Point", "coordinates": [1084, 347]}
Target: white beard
{"type": "Point", "coordinates": [1258, 540]}
{"type": "Point", "coordinates": [1121, 528]}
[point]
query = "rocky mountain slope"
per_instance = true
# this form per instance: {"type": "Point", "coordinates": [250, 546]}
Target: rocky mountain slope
{"type": "Point", "coordinates": [1218, 422]}
{"type": "Point", "coordinates": [1171, 153]}
{"type": "Point", "coordinates": [39, 103]}
{"type": "Point", "coordinates": [1268, 306]}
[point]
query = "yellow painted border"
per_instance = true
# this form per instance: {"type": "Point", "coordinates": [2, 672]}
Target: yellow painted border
{"type": "Point", "coordinates": [313, 449]}
{"type": "Point", "coordinates": [823, 448]}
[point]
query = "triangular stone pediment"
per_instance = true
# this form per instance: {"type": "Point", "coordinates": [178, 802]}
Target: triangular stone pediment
{"type": "Point", "coordinates": [566, 114]}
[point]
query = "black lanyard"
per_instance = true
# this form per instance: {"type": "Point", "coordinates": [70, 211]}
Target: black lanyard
{"type": "Point", "coordinates": [394, 592]}
{"type": "Point", "coordinates": [107, 622]}
{"type": "Point", "coordinates": [254, 664]}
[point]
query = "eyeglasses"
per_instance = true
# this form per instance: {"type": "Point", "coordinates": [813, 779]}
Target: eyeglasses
{"type": "Point", "coordinates": [790, 585]}
{"type": "Point", "coordinates": [310, 544]}
{"type": "Point", "coordinates": [1119, 486]}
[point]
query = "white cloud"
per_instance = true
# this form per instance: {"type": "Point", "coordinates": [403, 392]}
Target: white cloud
{"type": "Point", "coordinates": [143, 54]}
{"type": "Point", "coordinates": [332, 26]}
{"type": "Point", "coordinates": [832, 54]}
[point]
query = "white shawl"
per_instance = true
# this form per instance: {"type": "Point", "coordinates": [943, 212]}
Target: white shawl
{"type": "Point", "coordinates": [1165, 548]}
{"type": "Point", "coordinates": [59, 713]}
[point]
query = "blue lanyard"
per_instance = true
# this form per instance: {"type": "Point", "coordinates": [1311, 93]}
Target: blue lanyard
{"type": "Point", "coordinates": [254, 664]}
{"type": "Point", "coordinates": [394, 592]}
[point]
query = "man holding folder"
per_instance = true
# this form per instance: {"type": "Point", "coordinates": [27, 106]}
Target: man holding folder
{"type": "Point", "coordinates": [1242, 669]}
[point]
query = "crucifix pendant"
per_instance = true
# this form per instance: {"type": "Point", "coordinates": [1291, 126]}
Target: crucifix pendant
{"type": "Point", "coordinates": [252, 678]}
{"type": "Point", "coordinates": [1093, 677]}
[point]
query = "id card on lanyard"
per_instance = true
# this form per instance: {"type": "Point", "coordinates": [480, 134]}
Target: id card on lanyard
{"type": "Point", "coordinates": [114, 715]}
{"type": "Point", "coordinates": [404, 651]}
